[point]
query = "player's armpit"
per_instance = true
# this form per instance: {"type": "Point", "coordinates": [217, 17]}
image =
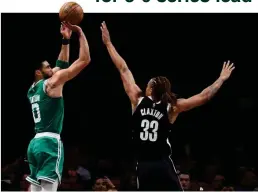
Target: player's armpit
{"type": "Point", "coordinates": [131, 89]}
{"type": "Point", "coordinates": [55, 69]}
{"type": "Point", "coordinates": [173, 113]}
{"type": "Point", "coordinates": [60, 77]}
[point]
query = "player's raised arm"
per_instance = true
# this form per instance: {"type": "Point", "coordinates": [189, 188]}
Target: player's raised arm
{"type": "Point", "coordinates": [208, 93]}
{"type": "Point", "coordinates": [63, 58]}
{"type": "Point", "coordinates": [132, 90]}
{"type": "Point", "coordinates": [65, 75]}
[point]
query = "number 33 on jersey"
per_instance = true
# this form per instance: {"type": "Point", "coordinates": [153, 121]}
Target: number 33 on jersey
{"type": "Point", "coordinates": [149, 130]}
{"type": "Point", "coordinates": [150, 121]}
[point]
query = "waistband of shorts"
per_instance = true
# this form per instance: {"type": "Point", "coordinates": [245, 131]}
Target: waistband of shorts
{"type": "Point", "coordinates": [47, 134]}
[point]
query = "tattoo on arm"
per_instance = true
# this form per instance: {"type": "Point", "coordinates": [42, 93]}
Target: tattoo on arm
{"type": "Point", "coordinates": [123, 68]}
{"type": "Point", "coordinates": [213, 89]}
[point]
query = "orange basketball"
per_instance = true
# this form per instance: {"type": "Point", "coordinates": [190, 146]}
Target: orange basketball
{"type": "Point", "coordinates": [71, 12]}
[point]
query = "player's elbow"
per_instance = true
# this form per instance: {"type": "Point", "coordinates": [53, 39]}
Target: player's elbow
{"type": "Point", "coordinates": [84, 58]}
{"type": "Point", "coordinates": [85, 61]}
{"type": "Point", "coordinates": [123, 68]}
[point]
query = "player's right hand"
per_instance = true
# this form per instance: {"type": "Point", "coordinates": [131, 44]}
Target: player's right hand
{"type": "Point", "coordinates": [74, 28]}
{"type": "Point", "coordinates": [105, 33]}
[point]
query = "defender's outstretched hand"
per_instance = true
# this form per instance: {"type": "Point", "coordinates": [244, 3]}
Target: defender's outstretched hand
{"type": "Point", "coordinates": [105, 33]}
{"type": "Point", "coordinates": [65, 31]}
{"type": "Point", "coordinates": [209, 92]}
{"type": "Point", "coordinates": [226, 70]}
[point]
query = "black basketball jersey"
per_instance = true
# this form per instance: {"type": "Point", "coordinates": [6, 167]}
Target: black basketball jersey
{"type": "Point", "coordinates": [151, 128]}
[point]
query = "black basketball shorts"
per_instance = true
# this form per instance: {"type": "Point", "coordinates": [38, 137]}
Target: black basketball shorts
{"type": "Point", "coordinates": [157, 175]}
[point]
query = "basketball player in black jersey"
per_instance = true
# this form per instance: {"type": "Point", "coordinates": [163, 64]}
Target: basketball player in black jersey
{"type": "Point", "coordinates": [152, 115]}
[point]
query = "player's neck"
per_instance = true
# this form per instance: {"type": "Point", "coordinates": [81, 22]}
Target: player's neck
{"type": "Point", "coordinates": [148, 94]}
{"type": "Point", "coordinates": [37, 80]}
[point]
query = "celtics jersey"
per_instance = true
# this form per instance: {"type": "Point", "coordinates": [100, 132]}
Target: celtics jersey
{"type": "Point", "coordinates": [48, 113]}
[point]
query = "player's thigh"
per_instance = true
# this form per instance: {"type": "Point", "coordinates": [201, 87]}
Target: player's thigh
{"type": "Point", "coordinates": [31, 155]}
{"type": "Point", "coordinates": [171, 180]}
{"type": "Point", "coordinates": [156, 176]}
{"type": "Point", "coordinates": [32, 178]}
{"type": "Point", "coordinates": [50, 157]}
{"type": "Point", "coordinates": [148, 175]}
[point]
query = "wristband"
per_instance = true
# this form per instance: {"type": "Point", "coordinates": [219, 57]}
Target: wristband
{"type": "Point", "coordinates": [65, 41]}
{"type": "Point", "coordinates": [62, 64]}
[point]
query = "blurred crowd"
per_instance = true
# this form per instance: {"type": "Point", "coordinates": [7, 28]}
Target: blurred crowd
{"type": "Point", "coordinates": [84, 173]}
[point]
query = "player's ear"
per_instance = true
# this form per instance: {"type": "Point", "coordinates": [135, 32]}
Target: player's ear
{"type": "Point", "coordinates": [38, 72]}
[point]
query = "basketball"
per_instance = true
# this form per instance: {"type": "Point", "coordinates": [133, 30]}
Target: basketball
{"type": "Point", "coordinates": [71, 12]}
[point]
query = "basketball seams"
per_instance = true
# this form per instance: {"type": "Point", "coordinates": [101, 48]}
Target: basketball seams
{"type": "Point", "coordinates": [71, 11]}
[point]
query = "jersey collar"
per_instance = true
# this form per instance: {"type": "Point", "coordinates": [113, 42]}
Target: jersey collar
{"type": "Point", "coordinates": [34, 84]}
{"type": "Point", "coordinates": [152, 100]}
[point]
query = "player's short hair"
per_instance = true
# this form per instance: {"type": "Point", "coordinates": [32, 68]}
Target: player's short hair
{"type": "Point", "coordinates": [38, 65]}
{"type": "Point", "coordinates": [161, 90]}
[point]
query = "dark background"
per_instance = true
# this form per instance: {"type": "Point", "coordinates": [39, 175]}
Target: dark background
{"type": "Point", "coordinates": [187, 48]}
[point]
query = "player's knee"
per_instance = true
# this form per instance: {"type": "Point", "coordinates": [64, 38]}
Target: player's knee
{"type": "Point", "coordinates": [34, 188]}
{"type": "Point", "coordinates": [49, 186]}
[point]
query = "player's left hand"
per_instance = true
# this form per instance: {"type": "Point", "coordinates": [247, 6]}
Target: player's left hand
{"type": "Point", "coordinates": [65, 31]}
{"type": "Point", "coordinates": [226, 70]}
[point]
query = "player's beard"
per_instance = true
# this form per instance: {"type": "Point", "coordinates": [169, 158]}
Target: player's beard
{"type": "Point", "coordinates": [46, 76]}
